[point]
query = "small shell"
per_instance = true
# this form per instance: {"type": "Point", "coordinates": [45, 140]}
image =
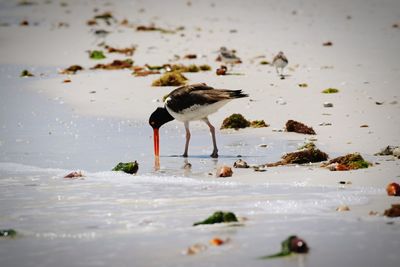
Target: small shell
{"type": "Point", "coordinates": [240, 164]}
{"type": "Point", "coordinates": [343, 208]}
{"type": "Point", "coordinates": [393, 189]}
{"type": "Point", "coordinates": [224, 171]}
{"type": "Point", "coordinates": [217, 241]}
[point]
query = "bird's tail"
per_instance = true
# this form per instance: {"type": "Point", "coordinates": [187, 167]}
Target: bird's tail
{"type": "Point", "coordinates": [236, 93]}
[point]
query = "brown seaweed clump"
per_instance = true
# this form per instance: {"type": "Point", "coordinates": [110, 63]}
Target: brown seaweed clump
{"type": "Point", "coordinates": [116, 65]}
{"type": "Point", "coordinates": [235, 121]}
{"type": "Point", "coordinates": [71, 70]}
{"type": "Point", "coordinates": [352, 161]}
{"type": "Point", "coordinates": [308, 154]}
{"type": "Point", "coordinates": [394, 211]}
{"type": "Point", "coordinates": [74, 175]}
{"type": "Point", "coordinates": [298, 127]}
{"type": "Point", "coordinates": [174, 78]}
{"type": "Point", "coordinates": [128, 51]}
{"type": "Point", "coordinates": [144, 73]}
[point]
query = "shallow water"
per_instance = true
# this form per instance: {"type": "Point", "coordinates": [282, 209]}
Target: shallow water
{"type": "Point", "coordinates": [115, 219]}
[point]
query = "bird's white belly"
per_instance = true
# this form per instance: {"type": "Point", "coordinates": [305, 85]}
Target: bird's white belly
{"type": "Point", "coordinates": [279, 63]}
{"type": "Point", "coordinates": [197, 112]}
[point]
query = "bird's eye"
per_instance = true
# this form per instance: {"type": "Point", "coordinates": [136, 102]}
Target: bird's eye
{"type": "Point", "coordinates": [152, 123]}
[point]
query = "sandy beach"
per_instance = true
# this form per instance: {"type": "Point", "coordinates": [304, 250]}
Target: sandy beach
{"type": "Point", "coordinates": [52, 124]}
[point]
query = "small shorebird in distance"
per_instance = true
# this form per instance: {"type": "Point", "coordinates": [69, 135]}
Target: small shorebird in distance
{"type": "Point", "coordinates": [280, 61]}
{"type": "Point", "coordinates": [228, 56]}
{"type": "Point", "coordinates": [191, 103]}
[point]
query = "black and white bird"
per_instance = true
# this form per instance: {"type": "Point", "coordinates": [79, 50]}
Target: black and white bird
{"type": "Point", "coordinates": [191, 103]}
{"type": "Point", "coordinates": [280, 61]}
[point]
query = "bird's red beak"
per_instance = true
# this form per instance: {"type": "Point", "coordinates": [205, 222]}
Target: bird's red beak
{"type": "Point", "coordinates": [156, 143]}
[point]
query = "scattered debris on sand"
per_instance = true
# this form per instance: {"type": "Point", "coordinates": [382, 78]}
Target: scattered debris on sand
{"type": "Point", "coordinates": [306, 154]}
{"type": "Point", "coordinates": [394, 211]}
{"type": "Point", "coordinates": [152, 28]}
{"type": "Point", "coordinates": [195, 249]}
{"type": "Point", "coordinates": [303, 85]}
{"type": "Point", "coordinates": [190, 56]}
{"type": "Point", "coordinates": [389, 150]}
{"type": "Point", "coordinates": [348, 162]}
{"type": "Point", "coordinates": [343, 208]}
{"type": "Point", "coordinates": [115, 65]}
{"type": "Point", "coordinates": [144, 73]}
{"type": "Point", "coordinates": [292, 244]}
{"type": "Point", "coordinates": [219, 217]}
{"type": "Point", "coordinates": [74, 175]}
{"type": "Point", "coordinates": [174, 78]}
{"type": "Point", "coordinates": [8, 233]}
{"type": "Point", "coordinates": [107, 17]}
{"type": "Point", "coordinates": [26, 73]}
{"type": "Point", "coordinates": [128, 51]}
{"type": "Point", "coordinates": [71, 70]}
{"type": "Point", "coordinates": [298, 127]}
{"type": "Point", "coordinates": [264, 62]}
{"type": "Point", "coordinates": [329, 43]}
{"type": "Point", "coordinates": [24, 23]}
{"type": "Point", "coordinates": [328, 105]}
{"type": "Point", "coordinates": [393, 189]}
{"type": "Point", "coordinates": [330, 91]}
{"type": "Point", "coordinates": [129, 167]}
{"type": "Point", "coordinates": [224, 171]}
{"type": "Point", "coordinates": [240, 164]}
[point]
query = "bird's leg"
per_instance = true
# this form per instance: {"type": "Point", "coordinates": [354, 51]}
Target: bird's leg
{"type": "Point", "coordinates": [212, 131]}
{"type": "Point", "coordinates": [277, 71]}
{"type": "Point", "coordinates": [185, 154]}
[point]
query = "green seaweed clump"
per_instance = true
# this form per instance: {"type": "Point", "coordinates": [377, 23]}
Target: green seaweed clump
{"type": "Point", "coordinates": [129, 167]}
{"type": "Point", "coordinates": [352, 161]}
{"type": "Point", "coordinates": [174, 78]}
{"type": "Point", "coordinates": [258, 124]}
{"type": "Point", "coordinates": [219, 217]}
{"type": "Point", "coordinates": [330, 91]}
{"type": "Point", "coordinates": [235, 121]}
{"type": "Point", "coordinates": [292, 244]}
{"type": "Point", "coordinates": [8, 233]}
{"type": "Point", "coordinates": [26, 73]}
{"type": "Point", "coordinates": [264, 62]}
{"type": "Point", "coordinates": [97, 54]}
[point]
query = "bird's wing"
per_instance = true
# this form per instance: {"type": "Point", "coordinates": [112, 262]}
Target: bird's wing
{"type": "Point", "coordinates": [197, 94]}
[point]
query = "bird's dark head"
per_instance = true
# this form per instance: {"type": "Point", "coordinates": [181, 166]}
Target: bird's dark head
{"type": "Point", "coordinates": [159, 117]}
